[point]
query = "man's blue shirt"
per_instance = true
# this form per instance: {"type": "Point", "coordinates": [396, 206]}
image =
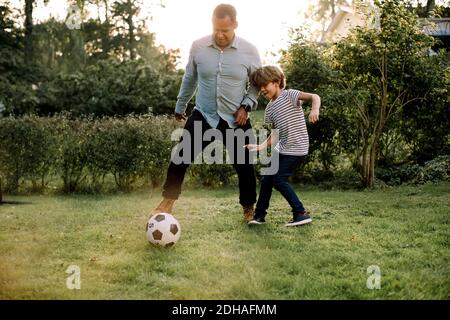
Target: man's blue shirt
{"type": "Point", "coordinates": [221, 78]}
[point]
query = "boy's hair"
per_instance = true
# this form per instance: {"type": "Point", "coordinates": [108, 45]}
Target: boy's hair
{"type": "Point", "coordinates": [264, 75]}
{"type": "Point", "coordinates": [225, 10]}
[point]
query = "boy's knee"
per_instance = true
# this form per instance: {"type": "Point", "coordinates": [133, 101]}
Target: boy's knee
{"type": "Point", "coordinates": [279, 181]}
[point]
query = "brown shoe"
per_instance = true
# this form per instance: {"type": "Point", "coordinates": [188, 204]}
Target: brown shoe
{"type": "Point", "coordinates": [249, 212]}
{"type": "Point", "coordinates": [166, 205]}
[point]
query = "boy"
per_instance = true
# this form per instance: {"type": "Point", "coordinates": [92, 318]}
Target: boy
{"type": "Point", "coordinates": [284, 113]}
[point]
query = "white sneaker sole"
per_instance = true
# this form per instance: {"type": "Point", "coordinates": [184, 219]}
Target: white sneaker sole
{"type": "Point", "coordinates": [299, 223]}
{"type": "Point", "coordinates": [254, 222]}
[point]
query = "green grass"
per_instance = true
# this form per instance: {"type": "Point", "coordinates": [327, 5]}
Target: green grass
{"type": "Point", "coordinates": [404, 231]}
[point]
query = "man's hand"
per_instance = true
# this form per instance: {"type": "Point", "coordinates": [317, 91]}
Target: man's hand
{"type": "Point", "coordinates": [240, 117]}
{"type": "Point", "coordinates": [180, 116]}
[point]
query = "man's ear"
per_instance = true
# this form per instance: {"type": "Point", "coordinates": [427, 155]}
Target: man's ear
{"type": "Point", "coordinates": [236, 24]}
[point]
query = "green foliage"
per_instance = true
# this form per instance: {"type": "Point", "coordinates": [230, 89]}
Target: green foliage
{"type": "Point", "coordinates": [212, 175]}
{"type": "Point", "coordinates": [109, 88]}
{"type": "Point", "coordinates": [130, 148]}
{"type": "Point", "coordinates": [397, 175]}
{"type": "Point", "coordinates": [27, 151]}
{"type": "Point", "coordinates": [424, 123]}
{"type": "Point", "coordinates": [101, 69]}
{"type": "Point", "coordinates": [380, 66]}
{"type": "Point", "coordinates": [83, 152]}
{"type": "Point", "coordinates": [72, 151]}
{"type": "Point", "coordinates": [306, 69]}
{"type": "Point", "coordinates": [435, 170]}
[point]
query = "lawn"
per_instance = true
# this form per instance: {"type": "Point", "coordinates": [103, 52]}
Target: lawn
{"type": "Point", "coordinates": [404, 231]}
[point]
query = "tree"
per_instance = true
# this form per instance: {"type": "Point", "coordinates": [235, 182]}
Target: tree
{"type": "Point", "coordinates": [430, 7]}
{"type": "Point", "coordinates": [126, 12]}
{"type": "Point", "coordinates": [376, 66]}
{"type": "Point", "coordinates": [324, 11]}
{"type": "Point", "coordinates": [28, 31]}
{"type": "Point", "coordinates": [306, 69]}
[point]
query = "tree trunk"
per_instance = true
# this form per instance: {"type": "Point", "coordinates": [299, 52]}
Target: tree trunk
{"type": "Point", "coordinates": [430, 7]}
{"type": "Point", "coordinates": [333, 9]}
{"type": "Point", "coordinates": [28, 31]}
{"type": "Point", "coordinates": [131, 29]}
{"type": "Point", "coordinates": [106, 45]}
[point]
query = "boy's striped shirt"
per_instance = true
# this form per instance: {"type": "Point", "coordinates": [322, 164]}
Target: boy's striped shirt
{"type": "Point", "coordinates": [286, 114]}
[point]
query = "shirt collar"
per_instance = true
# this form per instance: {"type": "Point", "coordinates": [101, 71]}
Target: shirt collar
{"type": "Point", "coordinates": [234, 44]}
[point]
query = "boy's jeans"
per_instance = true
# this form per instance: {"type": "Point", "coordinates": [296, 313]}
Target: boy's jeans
{"type": "Point", "coordinates": [245, 172]}
{"type": "Point", "coordinates": [279, 181]}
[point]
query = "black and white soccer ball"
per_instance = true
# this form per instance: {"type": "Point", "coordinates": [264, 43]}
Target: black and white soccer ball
{"type": "Point", "coordinates": [163, 230]}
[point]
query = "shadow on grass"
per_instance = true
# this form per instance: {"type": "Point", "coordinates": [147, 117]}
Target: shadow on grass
{"type": "Point", "coordinates": [15, 202]}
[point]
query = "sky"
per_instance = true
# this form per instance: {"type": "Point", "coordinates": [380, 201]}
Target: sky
{"type": "Point", "coordinates": [265, 23]}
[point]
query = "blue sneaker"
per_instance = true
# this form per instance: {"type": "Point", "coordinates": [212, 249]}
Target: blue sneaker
{"type": "Point", "coordinates": [257, 220]}
{"type": "Point", "coordinates": [299, 219]}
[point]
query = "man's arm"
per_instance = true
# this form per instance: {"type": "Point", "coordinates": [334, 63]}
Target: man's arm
{"type": "Point", "coordinates": [188, 86]}
{"type": "Point", "coordinates": [251, 98]}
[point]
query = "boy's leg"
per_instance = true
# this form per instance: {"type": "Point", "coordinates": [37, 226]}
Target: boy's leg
{"type": "Point", "coordinates": [280, 181]}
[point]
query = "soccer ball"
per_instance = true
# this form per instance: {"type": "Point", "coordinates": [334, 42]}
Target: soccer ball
{"type": "Point", "coordinates": [163, 230]}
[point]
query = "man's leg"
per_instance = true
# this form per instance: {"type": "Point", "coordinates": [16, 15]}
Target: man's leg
{"type": "Point", "coordinates": [265, 193]}
{"type": "Point", "coordinates": [244, 168]}
{"type": "Point", "coordinates": [176, 172]}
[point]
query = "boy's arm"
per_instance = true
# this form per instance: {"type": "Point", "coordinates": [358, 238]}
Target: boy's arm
{"type": "Point", "coordinates": [315, 101]}
{"type": "Point", "coordinates": [273, 137]}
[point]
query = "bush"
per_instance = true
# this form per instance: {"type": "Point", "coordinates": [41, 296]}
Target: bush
{"type": "Point", "coordinates": [396, 175]}
{"type": "Point", "coordinates": [435, 170]}
{"type": "Point", "coordinates": [83, 151]}
{"type": "Point", "coordinates": [73, 137]}
{"type": "Point", "coordinates": [28, 148]}
{"type": "Point", "coordinates": [212, 175]}
{"type": "Point", "coordinates": [130, 148]}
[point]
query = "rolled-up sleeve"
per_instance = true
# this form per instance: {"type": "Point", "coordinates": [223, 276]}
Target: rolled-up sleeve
{"type": "Point", "coordinates": [251, 98]}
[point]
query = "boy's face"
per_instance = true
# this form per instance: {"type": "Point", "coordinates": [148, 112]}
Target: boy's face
{"type": "Point", "coordinates": [271, 90]}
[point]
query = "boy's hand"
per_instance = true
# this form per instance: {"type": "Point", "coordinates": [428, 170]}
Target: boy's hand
{"type": "Point", "coordinates": [180, 116]}
{"type": "Point", "coordinates": [314, 116]}
{"type": "Point", "coordinates": [253, 147]}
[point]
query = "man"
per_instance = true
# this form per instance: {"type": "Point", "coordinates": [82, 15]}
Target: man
{"type": "Point", "coordinates": [219, 69]}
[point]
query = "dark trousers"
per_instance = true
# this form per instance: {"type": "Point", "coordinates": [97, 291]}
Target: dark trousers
{"type": "Point", "coordinates": [279, 181]}
{"type": "Point", "coordinates": [245, 172]}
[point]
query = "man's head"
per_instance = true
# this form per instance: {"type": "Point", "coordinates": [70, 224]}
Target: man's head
{"type": "Point", "coordinates": [270, 80]}
{"type": "Point", "coordinates": [224, 23]}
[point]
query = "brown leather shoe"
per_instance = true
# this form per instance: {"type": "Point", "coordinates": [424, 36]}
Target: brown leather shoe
{"type": "Point", "coordinates": [166, 205]}
{"type": "Point", "coordinates": [249, 212]}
